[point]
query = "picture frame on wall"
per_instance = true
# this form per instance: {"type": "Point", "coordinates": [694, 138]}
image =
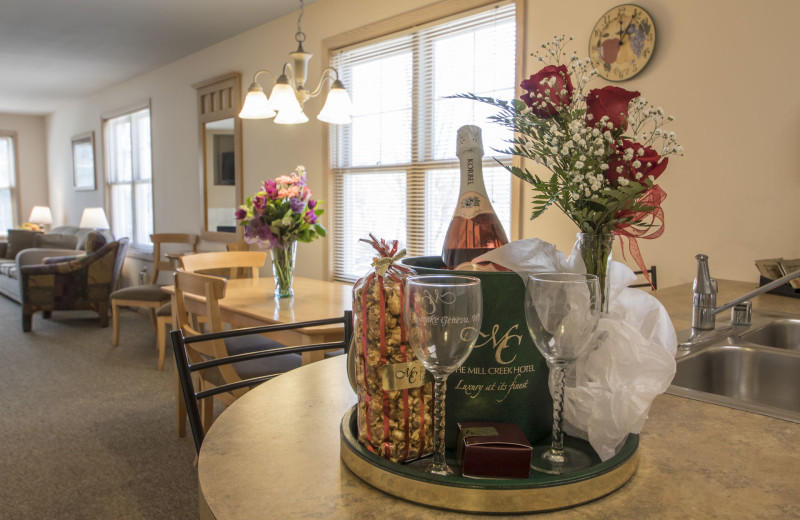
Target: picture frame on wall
{"type": "Point", "coordinates": [83, 162]}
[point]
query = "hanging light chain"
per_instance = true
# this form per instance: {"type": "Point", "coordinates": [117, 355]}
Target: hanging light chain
{"type": "Point", "coordinates": [300, 36]}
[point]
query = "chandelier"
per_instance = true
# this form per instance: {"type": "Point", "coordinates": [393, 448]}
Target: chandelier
{"type": "Point", "coordinates": [289, 93]}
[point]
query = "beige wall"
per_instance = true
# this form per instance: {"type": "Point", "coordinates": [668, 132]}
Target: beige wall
{"type": "Point", "coordinates": [31, 161]}
{"type": "Point", "coordinates": [732, 89]}
{"type": "Point", "coordinates": [734, 193]}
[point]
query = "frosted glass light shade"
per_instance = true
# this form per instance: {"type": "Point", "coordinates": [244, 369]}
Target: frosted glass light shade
{"type": "Point", "coordinates": [256, 105]}
{"type": "Point", "coordinates": [94, 218]}
{"type": "Point", "coordinates": [283, 99]}
{"type": "Point", "coordinates": [290, 117]}
{"type": "Point", "coordinates": [338, 107]}
{"type": "Point", "coordinates": [41, 215]}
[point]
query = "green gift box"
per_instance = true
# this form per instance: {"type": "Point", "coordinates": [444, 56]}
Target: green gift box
{"type": "Point", "coordinates": [504, 379]}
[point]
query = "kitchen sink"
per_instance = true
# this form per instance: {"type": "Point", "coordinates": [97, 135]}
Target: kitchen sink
{"type": "Point", "coordinates": [783, 333]}
{"type": "Point", "coordinates": [757, 370]}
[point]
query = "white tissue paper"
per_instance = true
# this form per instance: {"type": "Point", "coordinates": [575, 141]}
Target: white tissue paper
{"type": "Point", "coordinates": [610, 389]}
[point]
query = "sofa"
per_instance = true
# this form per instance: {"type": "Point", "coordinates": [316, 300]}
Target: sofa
{"type": "Point", "coordinates": [24, 247]}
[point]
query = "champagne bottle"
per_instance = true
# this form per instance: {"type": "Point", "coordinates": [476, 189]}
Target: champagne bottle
{"type": "Point", "coordinates": [475, 228]}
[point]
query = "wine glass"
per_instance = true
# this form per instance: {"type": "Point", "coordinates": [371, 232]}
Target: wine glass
{"type": "Point", "coordinates": [562, 311]}
{"type": "Point", "coordinates": [443, 317]}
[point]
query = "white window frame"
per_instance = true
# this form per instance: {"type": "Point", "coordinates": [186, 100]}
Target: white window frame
{"type": "Point", "coordinates": [139, 241]}
{"type": "Point", "coordinates": [406, 23]}
{"type": "Point", "coordinates": [13, 181]}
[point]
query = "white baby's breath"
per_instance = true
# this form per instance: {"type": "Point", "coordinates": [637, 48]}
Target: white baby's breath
{"type": "Point", "coordinates": [557, 131]}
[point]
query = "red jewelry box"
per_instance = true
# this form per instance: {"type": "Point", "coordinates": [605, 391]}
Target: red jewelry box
{"type": "Point", "coordinates": [493, 449]}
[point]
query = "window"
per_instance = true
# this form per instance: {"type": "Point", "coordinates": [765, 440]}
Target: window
{"type": "Point", "coordinates": [129, 176]}
{"type": "Point", "coordinates": [395, 171]}
{"type": "Point", "coordinates": [8, 182]}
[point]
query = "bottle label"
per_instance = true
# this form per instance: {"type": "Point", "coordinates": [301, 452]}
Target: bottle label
{"type": "Point", "coordinates": [471, 204]}
{"type": "Point", "coordinates": [401, 376]}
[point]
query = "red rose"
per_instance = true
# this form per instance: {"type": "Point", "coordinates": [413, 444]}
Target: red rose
{"type": "Point", "coordinates": [642, 164]}
{"type": "Point", "coordinates": [609, 101]}
{"type": "Point", "coordinates": [548, 90]}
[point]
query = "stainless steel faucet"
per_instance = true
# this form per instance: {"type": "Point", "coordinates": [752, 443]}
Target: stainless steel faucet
{"type": "Point", "coordinates": [704, 304]}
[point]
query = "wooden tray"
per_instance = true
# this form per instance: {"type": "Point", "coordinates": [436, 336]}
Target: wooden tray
{"type": "Point", "coordinates": [539, 492]}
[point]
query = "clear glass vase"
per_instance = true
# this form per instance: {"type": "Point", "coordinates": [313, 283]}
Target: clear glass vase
{"type": "Point", "coordinates": [283, 269]}
{"type": "Point", "coordinates": [595, 250]}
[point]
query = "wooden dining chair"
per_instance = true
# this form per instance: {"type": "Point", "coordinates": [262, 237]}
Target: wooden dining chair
{"type": "Point", "coordinates": [185, 348]}
{"type": "Point", "coordinates": [212, 289]}
{"type": "Point", "coordinates": [240, 264]}
{"type": "Point", "coordinates": [150, 296]}
{"type": "Point", "coordinates": [228, 264]}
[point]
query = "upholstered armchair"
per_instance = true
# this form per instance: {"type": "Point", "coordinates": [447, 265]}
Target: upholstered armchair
{"type": "Point", "coordinates": [73, 283]}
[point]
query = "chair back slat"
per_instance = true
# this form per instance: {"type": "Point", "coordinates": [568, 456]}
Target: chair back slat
{"type": "Point", "coordinates": [175, 238]}
{"type": "Point", "coordinates": [266, 328]}
{"type": "Point", "coordinates": [198, 284]}
{"type": "Point", "coordinates": [185, 367]}
{"type": "Point", "coordinates": [233, 261]}
{"type": "Point", "coordinates": [247, 356]}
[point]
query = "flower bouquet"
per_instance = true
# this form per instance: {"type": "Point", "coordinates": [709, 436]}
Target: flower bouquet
{"type": "Point", "coordinates": [605, 148]}
{"type": "Point", "coordinates": [277, 217]}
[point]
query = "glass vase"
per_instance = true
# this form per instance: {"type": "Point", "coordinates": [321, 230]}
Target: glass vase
{"type": "Point", "coordinates": [283, 269]}
{"type": "Point", "coordinates": [595, 250]}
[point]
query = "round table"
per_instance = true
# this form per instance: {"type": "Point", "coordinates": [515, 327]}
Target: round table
{"type": "Point", "coordinates": [275, 451]}
{"type": "Point", "coordinates": [275, 454]}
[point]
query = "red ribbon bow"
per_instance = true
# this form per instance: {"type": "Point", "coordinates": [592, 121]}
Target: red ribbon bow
{"type": "Point", "coordinates": [388, 256]}
{"type": "Point", "coordinates": [651, 225]}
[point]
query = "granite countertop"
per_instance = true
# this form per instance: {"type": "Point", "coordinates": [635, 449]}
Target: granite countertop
{"type": "Point", "coordinates": [696, 460]}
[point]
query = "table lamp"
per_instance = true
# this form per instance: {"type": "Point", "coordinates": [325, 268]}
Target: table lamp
{"type": "Point", "coordinates": [94, 218]}
{"type": "Point", "coordinates": [41, 215]}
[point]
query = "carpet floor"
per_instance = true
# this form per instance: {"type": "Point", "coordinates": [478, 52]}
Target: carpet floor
{"type": "Point", "coordinates": [87, 430]}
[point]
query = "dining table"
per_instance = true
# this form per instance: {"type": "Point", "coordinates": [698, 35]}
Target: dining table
{"type": "Point", "coordinates": [250, 302]}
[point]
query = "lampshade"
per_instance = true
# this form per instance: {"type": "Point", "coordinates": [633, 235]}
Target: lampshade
{"type": "Point", "coordinates": [94, 218]}
{"type": "Point", "coordinates": [283, 98]}
{"type": "Point", "coordinates": [41, 215]}
{"type": "Point", "coordinates": [337, 107]}
{"type": "Point", "coordinates": [291, 117]}
{"type": "Point", "coordinates": [256, 105]}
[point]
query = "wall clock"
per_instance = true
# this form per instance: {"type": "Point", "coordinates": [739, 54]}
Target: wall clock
{"type": "Point", "coordinates": [622, 42]}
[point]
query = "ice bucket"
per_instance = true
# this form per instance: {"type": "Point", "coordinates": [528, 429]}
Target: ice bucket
{"type": "Point", "coordinates": [505, 377]}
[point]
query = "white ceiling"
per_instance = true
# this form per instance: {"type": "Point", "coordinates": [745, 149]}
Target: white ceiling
{"type": "Point", "coordinates": [52, 51]}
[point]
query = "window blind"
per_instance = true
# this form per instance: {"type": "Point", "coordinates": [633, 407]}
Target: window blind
{"type": "Point", "coordinates": [395, 172]}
